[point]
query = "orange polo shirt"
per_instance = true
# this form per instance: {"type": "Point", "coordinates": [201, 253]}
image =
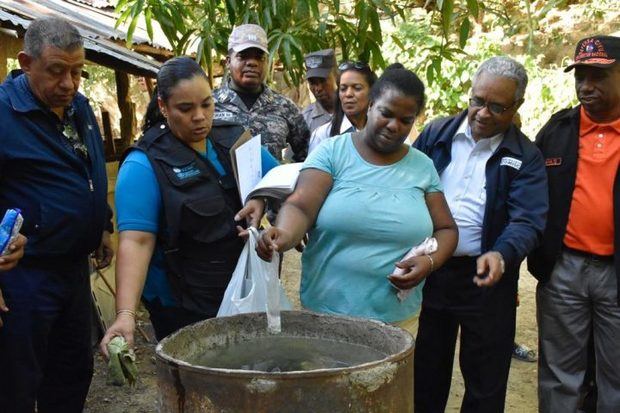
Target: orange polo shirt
{"type": "Point", "coordinates": [591, 219]}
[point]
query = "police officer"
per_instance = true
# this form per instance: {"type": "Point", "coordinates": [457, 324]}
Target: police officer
{"type": "Point", "coordinates": [245, 99]}
{"type": "Point", "coordinates": [320, 68]}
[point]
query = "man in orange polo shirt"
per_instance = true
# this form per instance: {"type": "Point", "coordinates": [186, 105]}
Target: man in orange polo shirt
{"type": "Point", "coordinates": [577, 261]}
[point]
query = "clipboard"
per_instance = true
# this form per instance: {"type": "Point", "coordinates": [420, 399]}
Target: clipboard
{"type": "Point", "coordinates": [246, 162]}
{"type": "Point", "coordinates": [243, 138]}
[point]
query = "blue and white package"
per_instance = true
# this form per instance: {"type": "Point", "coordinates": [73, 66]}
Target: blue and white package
{"type": "Point", "coordinates": [9, 229]}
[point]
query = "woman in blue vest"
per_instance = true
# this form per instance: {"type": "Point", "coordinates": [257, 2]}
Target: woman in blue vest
{"type": "Point", "coordinates": [176, 204]}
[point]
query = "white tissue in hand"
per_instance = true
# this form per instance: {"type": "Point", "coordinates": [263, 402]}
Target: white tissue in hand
{"type": "Point", "coordinates": [428, 246]}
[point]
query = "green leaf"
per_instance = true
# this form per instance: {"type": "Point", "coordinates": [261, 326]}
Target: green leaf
{"type": "Point", "coordinates": [446, 16]}
{"type": "Point", "coordinates": [148, 15]}
{"type": "Point", "coordinates": [430, 75]}
{"type": "Point", "coordinates": [231, 11]}
{"type": "Point", "coordinates": [131, 29]}
{"type": "Point", "coordinates": [123, 17]}
{"type": "Point", "coordinates": [120, 5]}
{"type": "Point", "coordinates": [464, 33]}
{"type": "Point", "coordinates": [313, 5]}
{"type": "Point", "coordinates": [437, 65]}
{"type": "Point", "coordinates": [397, 41]}
{"type": "Point", "coordinates": [287, 58]}
{"type": "Point", "coordinates": [136, 9]}
{"type": "Point", "coordinates": [472, 6]}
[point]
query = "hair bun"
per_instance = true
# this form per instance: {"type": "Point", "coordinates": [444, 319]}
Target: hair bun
{"type": "Point", "coordinates": [395, 66]}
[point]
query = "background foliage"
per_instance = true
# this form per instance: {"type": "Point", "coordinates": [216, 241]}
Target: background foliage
{"type": "Point", "coordinates": [444, 41]}
{"type": "Point", "coordinates": [296, 27]}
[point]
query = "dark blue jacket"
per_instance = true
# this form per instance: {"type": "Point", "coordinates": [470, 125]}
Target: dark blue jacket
{"type": "Point", "coordinates": [516, 186]}
{"type": "Point", "coordinates": [62, 197]}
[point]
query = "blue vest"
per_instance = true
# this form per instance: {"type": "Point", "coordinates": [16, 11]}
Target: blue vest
{"type": "Point", "coordinates": [198, 232]}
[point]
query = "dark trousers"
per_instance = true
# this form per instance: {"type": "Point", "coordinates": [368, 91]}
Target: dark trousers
{"type": "Point", "coordinates": [486, 317]}
{"type": "Point", "coordinates": [45, 349]}
{"type": "Point", "coordinates": [166, 320]}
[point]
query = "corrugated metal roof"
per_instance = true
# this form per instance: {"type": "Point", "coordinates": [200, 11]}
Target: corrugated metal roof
{"type": "Point", "coordinates": [95, 25]}
{"type": "Point", "coordinates": [100, 4]}
{"type": "Point", "coordinates": [98, 21]}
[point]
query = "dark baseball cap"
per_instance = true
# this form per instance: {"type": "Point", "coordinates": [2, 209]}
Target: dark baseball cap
{"type": "Point", "coordinates": [320, 63]}
{"type": "Point", "coordinates": [597, 51]}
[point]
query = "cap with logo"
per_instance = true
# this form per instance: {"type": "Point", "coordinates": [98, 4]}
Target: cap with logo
{"type": "Point", "coordinates": [320, 63]}
{"type": "Point", "coordinates": [597, 51]}
{"type": "Point", "coordinates": [247, 36]}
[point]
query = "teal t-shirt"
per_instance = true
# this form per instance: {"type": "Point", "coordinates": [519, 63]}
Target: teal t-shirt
{"type": "Point", "coordinates": [371, 218]}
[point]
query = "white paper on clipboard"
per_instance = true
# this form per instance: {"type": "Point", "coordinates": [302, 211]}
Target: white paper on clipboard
{"type": "Point", "coordinates": [249, 168]}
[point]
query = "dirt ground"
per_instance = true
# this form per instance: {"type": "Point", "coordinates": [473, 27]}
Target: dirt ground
{"type": "Point", "coordinates": [521, 397]}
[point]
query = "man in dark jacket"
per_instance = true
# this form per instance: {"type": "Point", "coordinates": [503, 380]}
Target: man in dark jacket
{"type": "Point", "coordinates": [52, 167]}
{"type": "Point", "coordinates": [494, 181]}
{"type": "Point", "coordinates": [576, 263]}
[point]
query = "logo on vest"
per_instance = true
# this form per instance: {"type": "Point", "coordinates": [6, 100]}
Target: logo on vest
{"type": "Point", "coordinates": [553, 161]}
{"type": "Point", "coordinates": [512, 162]}
{"type": "Point", "coordinates": [223, 115]}
{"type": "Point", "coordinates": [186, 172]}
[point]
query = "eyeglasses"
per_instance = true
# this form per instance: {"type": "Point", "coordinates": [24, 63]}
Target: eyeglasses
{"type": "Point", "coordinates": [494, 108]}
{"type": "Point", "coordinates": [348, 64]}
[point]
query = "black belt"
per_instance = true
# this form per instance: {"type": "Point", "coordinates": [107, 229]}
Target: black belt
{"type": "Point", "coordinates": [589, 255]}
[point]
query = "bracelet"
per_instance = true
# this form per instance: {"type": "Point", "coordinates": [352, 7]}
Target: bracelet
{"type": "Point", "coordinates": [130, 312]}
{"type": "Point", "coordinates": [432, 262]}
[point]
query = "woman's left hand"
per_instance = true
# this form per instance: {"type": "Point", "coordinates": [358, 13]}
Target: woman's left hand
{"type": "Point", "coordinates": [252, 212]}
{"type": "Point", "coordinates": [418, 268]}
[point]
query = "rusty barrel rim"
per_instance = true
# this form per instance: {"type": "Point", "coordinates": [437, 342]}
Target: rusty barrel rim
{"type": "Point", "coordinates": [407, 350]}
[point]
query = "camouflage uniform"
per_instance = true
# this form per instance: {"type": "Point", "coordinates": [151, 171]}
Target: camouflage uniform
{"type": "Point", "coordinates": [315, 115]}
{"type": "Point", "coordinates": [274, 116]}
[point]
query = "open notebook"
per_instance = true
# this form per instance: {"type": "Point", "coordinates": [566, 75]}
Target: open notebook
{"type": "Point", "coordinates": [278, 183]}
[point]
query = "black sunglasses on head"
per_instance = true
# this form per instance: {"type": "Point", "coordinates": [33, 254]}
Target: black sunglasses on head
{"type": "Point", "coordinates": [494, 108]}
{"type": "Point", "coordinates": [349, 64]}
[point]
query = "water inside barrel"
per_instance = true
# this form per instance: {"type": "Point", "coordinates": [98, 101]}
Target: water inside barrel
{"type": "Point", "coordinates": [287, 353]}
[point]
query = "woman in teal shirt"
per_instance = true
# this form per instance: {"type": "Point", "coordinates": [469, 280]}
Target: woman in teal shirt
{"type": "Point", "coordinates": [366, 199]}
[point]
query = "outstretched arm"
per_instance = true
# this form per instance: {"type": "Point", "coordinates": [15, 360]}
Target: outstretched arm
{"type": "Point", "coordinates": [298, 213]}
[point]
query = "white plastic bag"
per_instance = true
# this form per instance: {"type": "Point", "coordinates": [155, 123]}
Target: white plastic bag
{"type": "Point", "coordinates": [255, 286]}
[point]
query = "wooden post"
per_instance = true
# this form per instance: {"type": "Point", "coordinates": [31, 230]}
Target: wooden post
{"type": "Point", "coordinates": [4, 54]}
{"type": "Point", "coordinates": [150, 87]}
{"type": "Point", "coordinates": [3, 60]}
{"type": "Point", "coordinates": [110, 151]}
{"type": "Point", "coordinates": [127, 109]}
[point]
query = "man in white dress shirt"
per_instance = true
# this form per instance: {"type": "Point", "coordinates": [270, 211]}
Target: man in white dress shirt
{"type": "Point", "coordinates": [495, 184]}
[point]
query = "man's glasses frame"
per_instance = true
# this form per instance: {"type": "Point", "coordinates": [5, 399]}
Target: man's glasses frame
{"type": "Point", "coordinates": [494, 108]}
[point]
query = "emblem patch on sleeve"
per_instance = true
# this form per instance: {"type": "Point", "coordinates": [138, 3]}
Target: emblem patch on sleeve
{"type": "Point", "coordinates": [512, 162]}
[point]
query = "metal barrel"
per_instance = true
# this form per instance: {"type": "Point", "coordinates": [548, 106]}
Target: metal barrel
{"type": "Point", "coordinates": [384, 385]}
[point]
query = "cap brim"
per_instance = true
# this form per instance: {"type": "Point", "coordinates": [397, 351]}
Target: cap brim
{"type": "Point", "coordinates": [244, 46]}
{"type": "Point", "coordinates": [318, 72]}
{"type": "Point", "coordinates": [591, 64]}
